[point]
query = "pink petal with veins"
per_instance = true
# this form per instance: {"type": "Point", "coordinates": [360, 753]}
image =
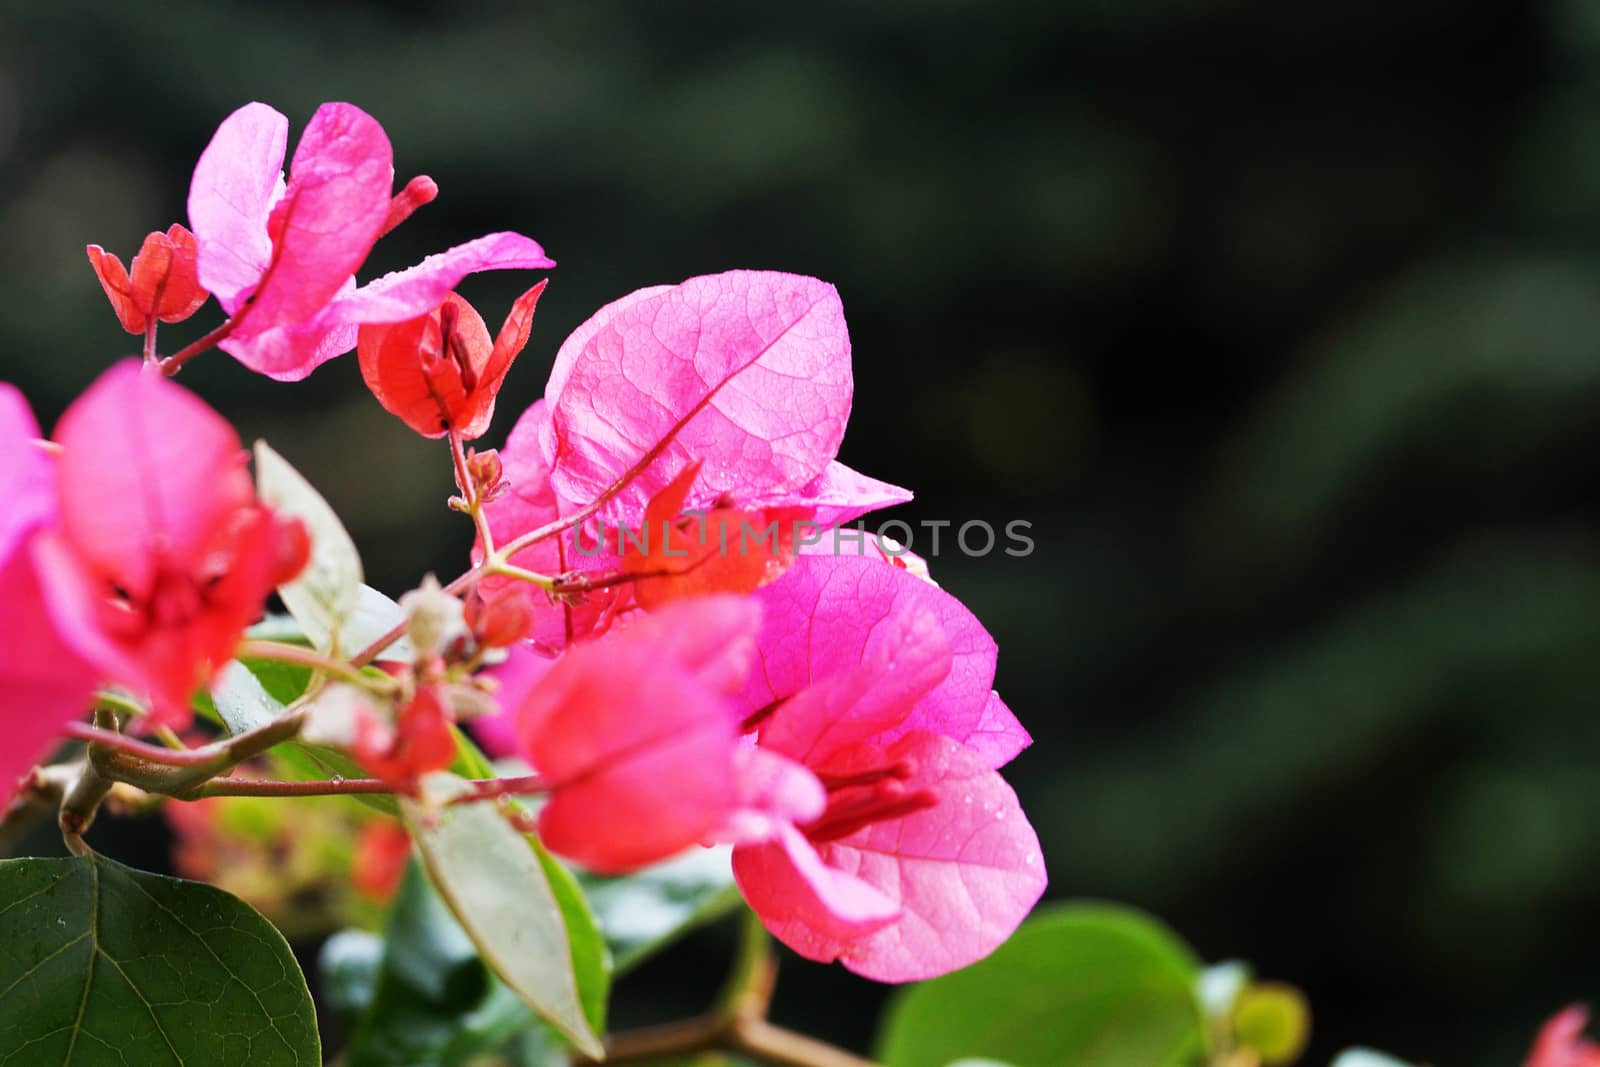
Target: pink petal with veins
{"type": "Point", "coordinates": [966, 871]}
{"type": "Point", "coordinates": [747, 371]}
{"type": "Point", "coordinates": [808, 905]}
{"type": "Point", "coordinates": [236, 182]}
{"type": "Point", "coordinates": [843, 605]}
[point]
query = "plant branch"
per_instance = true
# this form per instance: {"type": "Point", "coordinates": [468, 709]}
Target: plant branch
{"type": "Point", "coordinates": [173, 363]}
{"type": "Point", "coordinates": [262, 787]}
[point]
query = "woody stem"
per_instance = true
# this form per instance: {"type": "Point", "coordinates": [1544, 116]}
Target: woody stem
{"type": "Point", "coordinates": [738, 1024]}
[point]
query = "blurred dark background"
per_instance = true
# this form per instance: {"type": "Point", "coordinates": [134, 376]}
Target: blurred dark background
{"type": "Point", "coordinates": [1279, 322]}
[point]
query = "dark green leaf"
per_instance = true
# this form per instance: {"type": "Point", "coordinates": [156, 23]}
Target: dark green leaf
{"type": "Point", "coordinates": [1081, 985]}
{"type": "Point", "coordinates": [100, 964]}
{"type": "Point", "coordinates": [648, 910]}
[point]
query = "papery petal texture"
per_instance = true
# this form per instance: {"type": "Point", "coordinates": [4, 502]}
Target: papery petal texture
{"type": "Point", "coordinates": [636, 746]}
{"type": "Point", "coordinates": [747, 371]}
{"type": "Point", "coordinates": [829, 614]}
{"type": "Point", "coordinates": [236, 183]}
{"type": "Point", "coordinates": [965, 871]}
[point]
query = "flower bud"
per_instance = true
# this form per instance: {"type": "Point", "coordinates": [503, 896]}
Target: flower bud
{"type": "Point", "coordinates": [433, 618]}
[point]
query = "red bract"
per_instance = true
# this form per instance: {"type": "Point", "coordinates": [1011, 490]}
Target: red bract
{"type": "Point", "coordinates": [162, 555]}
{"type": "Point", "coordinates": [723, 550]}
{"type": "Point", "coordinates": [281, 256]}
{"type": "Point", "coordinates": [379, 863]}
{"type": "Point", "coordinates": [163, 285]}
{"type": "Point", "coordinates": [440, 372]}
{"type": "Point", "coordinates": [46, 684]}
{"type": "Point", "coordinates": [635, 734]}
{"type": "Point", "coordinates": [1561, 1042]}
{"type": "Point", "coordinates": [920, 859]}
{"type": "Point", "coordinates": [421, 741]}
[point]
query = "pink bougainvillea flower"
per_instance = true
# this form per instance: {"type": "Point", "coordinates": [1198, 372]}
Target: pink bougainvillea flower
{"type": "Point", "coordinates": [748, 372]}
{"type": "Point", "coordinates": [635, 734]}
{"type": "Point", "coordinates": [164, 283]}
{"type": "Point", "coordinates": [723, 550]}
{"type": "Point", "coordinates": [281, 256]}
{"type": "Point", "coordinates": [825, 615]}
{"type": "Point", "coordinates": [1561, 1042]}
{"type": "Point", "coordinates": [440, 371]}
{"type": "Point", "coordinates": [921, 860]}
{"type": "Point", "coordinates": [162, 555]}
{"type": "Point", "coordinates": [45, 682]}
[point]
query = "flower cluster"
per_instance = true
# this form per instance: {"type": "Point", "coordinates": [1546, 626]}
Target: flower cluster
{"type": "Point", "coordinates": [832, 718]}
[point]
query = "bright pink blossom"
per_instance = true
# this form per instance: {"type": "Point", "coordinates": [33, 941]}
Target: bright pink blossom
{"type": "Point", "coordinates": [746, 373]}
{"type": "Point", "coordinates": [46, 684]}
{"type": "Point", "coordinates": [920, 859]}
{"type": "Point", "coordinates": [162, 285]}
{"type": "Point", "coordinates": [635, 734]}
{"type": "Point", "coordinates": [162, 555]}
{"type": "Point", "coordinates": [1561, 1042]}
{"type": "Point", "coordinates": [281, 256]}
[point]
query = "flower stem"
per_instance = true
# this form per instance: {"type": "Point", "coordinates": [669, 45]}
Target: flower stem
{"type": "Point", "coordinates": [472, 502]}
{"type": "Point", "coordinates": [173, 363]}
{"type": "Point", "coordinates": [150, 355]}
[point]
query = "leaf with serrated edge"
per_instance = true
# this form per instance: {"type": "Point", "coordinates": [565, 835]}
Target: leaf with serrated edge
{"type": "Point", "coordinates": [328, 592]}
{"type": "Point", "coordinates": [498, 890]}
{"type": "Point", "coordinates": [103, 966]}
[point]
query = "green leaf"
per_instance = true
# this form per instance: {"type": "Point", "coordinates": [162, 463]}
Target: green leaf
{"type": "Point", "coordinates": [433, 1000]}
{"type": "Point", "coordinates": [1079, 985]}
{"type": "Point", "coordinates": [327, 593]}
{"type": "Point", "coordinates": [100, 964]}
{"type": "Point", "coordinates": [498, 888]}
{"type": "Point", "coordinates": [1366, 1057]}
{"type": "Point", "coordinates": [648, 910]}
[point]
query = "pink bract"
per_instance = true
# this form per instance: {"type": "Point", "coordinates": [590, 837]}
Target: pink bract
{"type": "Point", "coordinates": [1561, 1042]}
{"type": "Point", "coordinates": [281, 256]}
{"type": "Point", "coordinates": [46, 684]}
{"type": "Point", "coordinates": [161, 556]}
{"type": "Point", "coordinates": [748, 372]}
{"type": "Point", "coordinates": [635, 735]}
{"type": "Point", "coordinates": [828, 613]}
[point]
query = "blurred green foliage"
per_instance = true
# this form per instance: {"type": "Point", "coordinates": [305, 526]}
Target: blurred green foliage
{"type": "Point", "coordinates": [1278, 322]}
